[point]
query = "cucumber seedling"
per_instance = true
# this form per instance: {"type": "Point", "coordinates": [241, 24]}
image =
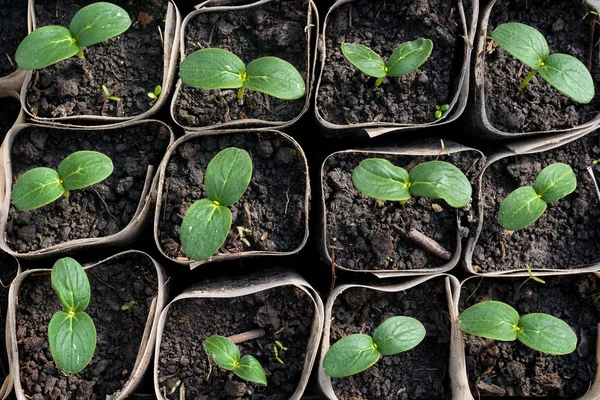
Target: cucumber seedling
{"type": "Point", "coordinates": [92, 24]}
{"type": "Point", "coordinates": [227, 355]}
{"type": "Point", "coordinates": [154, 95]}
{"type": "Point", "coordinates": [526, 204]}
{"type": "Point", "coordinates": [356, 353]}
{"type": "Point", "coordinates": [207, 222]}
{"type": "Point", "coordinates": [565, 73]}
{"type": "Point", "coordinates": [108, 95]}
{"type": "Point", "coordinates": [499, 321]}
{"type": "Point", "coordinates": [40, 186]}
{"type": "Point", "coordinates": [220, 69]}
{"type": "Point", "coordinates": [406, 58]}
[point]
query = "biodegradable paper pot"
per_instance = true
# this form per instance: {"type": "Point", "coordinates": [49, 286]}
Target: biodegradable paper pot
{"type": "Point", "coordinates": [577, 295]}
{"type": "Point", "coordinates": [8, 93]}
{"type": "Point", "coordinates": [14, 80]}
{"type": "Point", "coordinates": [458, 86]}
{"type": "Point", "coordinates": [387, 301]}
{"type": "Point", "coordinates": [10, 270]}
{"type": "Point", "coordinates": [480, 116]}
{"type": "Point", "coordinates": [170, 43]}
{"type": "Point", "coordinates": [144, 354]}
{"type": "Point", "coordinates": [378, 236]}
{"type": "Point", "coordinates": [40, 144]}
{"type": "Point", "coordinates": [274, 207]}
{"type": "Point", "coordinates": [490, 250]}
{"type": "Point", "coordinates": [231, 290]}
{"type": "Point", "coordinates": [256, 41]}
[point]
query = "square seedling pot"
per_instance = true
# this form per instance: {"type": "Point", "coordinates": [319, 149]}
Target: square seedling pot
{"type": "Point", "coordinates": [9, 270]}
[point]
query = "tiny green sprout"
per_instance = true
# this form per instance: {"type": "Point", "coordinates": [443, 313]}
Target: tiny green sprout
{"type": "Point", "coordinates": [439, 110]}
{"type": "Point", "coordinates": [127, 306]}
{"type": "Point", "coordinates": [108, 95]}
{"type": "Point", "coordinates": [531, 276]}
{"type": "Point", "coordinates": [406, 58]}
{"type": "Point", "coordinates": [71, 333]}
{"type": "Point", "coordinates": [40, 186]}
{"type": "Point", "coordinates": [241, 230]}
{"type": "Point", "coordinates": [389, 259]}
{"type": "Point", "coordinates": [175, 386]}
{"type": "Point", "coordinates": [591, 12]}
{"type": "Point", "coordinates": [526, 204]}
{"type": "Point", "coordinates": [380, 179]}
{"type": "Point", "coordinates": [277, 355]}
{"type": "Point", "coordinates": [565, 73]}
{"type": "Point", "coordinates": [92, 24]}
{"type": "Point", "coordinates": [227, 355]}
{"type": "Point", "coordinates": [355, 353]}
{"type": "Point", "coordinates": [207, 222]}
{"type": "Point", "coordinates": [596, 161]}
{"type": "Point", "coordinates": [499, 321]}
{"type": "Point", "coordinates": [154, 94]}
{"type": "Point", "coordinates": [220, 69]}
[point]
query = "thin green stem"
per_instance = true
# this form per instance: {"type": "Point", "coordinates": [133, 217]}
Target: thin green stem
{"type": "Point", "coordinates": [241, 92]}
{"type": "Point", "coordinates": [378, 81]}
{"type": "Point", "coordinates": [66, 194]}
{"type": "Point", "coordinates": [528, 78]}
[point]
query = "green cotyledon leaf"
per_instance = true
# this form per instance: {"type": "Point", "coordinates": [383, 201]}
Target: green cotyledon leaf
{"type": "Point", "coordinates": [365, 59]}
{"type": "Point", "coordinates": [228, 175]}
{"type": "Point", "coordinates": [223, 351]}
{"type": "Point", "coordinates": [569, 76]}
{"type": "Point", "coordinates": [440, 180]}
{"type": "Point", "coordinates": [249, 369]}
{"type": "Point", "coordinates": [275, 77]}
{"type": "Point", "coordinates": [398, 334]}
{"type": "Point", "coordinates": [521, 208]}
{"type": "Point", "coordinates": [212, 69]}
{"type": "Point", "coordinates": [523, 42]}
{"type": "Point", "coordinates": [409, 56]}
{"type": "Point", "coordinates": [204, 229]}
{"type": "Point", "coordinates": [380, 179]}
{"type": "Point", "coordinates": [71, 284]}
{"type": "Point", "coordinates": [491, 320]}
{"type": "Point", "coordinates": [350, 355]}
{"type": "Point", "coordinates": [546, 333]}
{"type": "Point", "coordinates": [555, 182]}
{"type": "Point", "coordinates": [45, 46]}
{"type": "Point", "coordinates": [72, 339]}
{"type": "Point", "coordinates": [98, 22]}
{"type": "Point", "coordinates": [36, 188]}
{"type": "Point", "coordinates": [84, 168]}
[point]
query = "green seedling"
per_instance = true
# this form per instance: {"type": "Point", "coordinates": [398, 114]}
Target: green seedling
{"type": "Point", "coordinates": [526, 204]}
{"type": "Point", "coordinates": [175, 386]}
{"type": "Point", "coordinates": [591, 12]}
{"type": "Point", "coordinates": [596, 161]}
{"type": "Point", "coordinates": [108, 95]}
{"type": "Point", "coordinates": [281, 348]}
{"type": "Point", "coordinates": [219, 69]}
{"type": "Point", "coordinates": [227, 355]}
{"type": "Point", "coordinates": [531, 276]}
{"type": "Point", "coordinates": [565, 73]}
{"type": "Point", "coordinates": [208, 221]}
{"type": "Point", "coordinates": [380, 179]}
{"type": "Point", "coordinates": [71, 333]}
{"type": "Point", "coordinates": [439, 110]}
{"type": "Point", "coordinates": [241, 231]}
{"type": "Point", "coordinates": [154, 95]}
{"type": "Point", "coordinates": [355, 353]}
{"type": "Point", "coordinates": [127, 306]}
{"type": "Point", "coordinates": [40, 186]}
{"type": "Point", "coordinates": [406, 58]}
{"type": "Point", "coordinates": [91, 25]}
{"type": "Point", "coordinates": [499, 321]}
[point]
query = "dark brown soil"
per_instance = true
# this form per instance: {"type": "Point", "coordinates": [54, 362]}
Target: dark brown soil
{"type": "Point", "coordinates": [274, 29]}
{"type": "Point", "coordinates": [8, 272]}
{"type": "Point", "coordinates": [130, 65]}
{"type": "Point", "coordinates": [347, 96]}
{"type": "Point", "coordinates": [566, 236]}
{"type": "Point", "coordinates": [284, 313]}
{"type": "Point", "coordinates": [539, 106]}
{"type": "Point", "coordinates": [511, 368]}
{"type": "Point", "coordinates": [368, 237]}
{"type": "Point", "coordinates": [13, 15]}
{"type": "Point", "coordinates": [96, 211]}
{"type": "Point", "coordinates": [420, 373]}
{"type": "Point", "coordinates": [272, 207]}
{"type": "Point", "coordinates": [119, 332]}
{"type": "Point", "coordinates": [9, 112]}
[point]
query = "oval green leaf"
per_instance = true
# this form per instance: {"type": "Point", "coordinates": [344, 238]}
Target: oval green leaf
{"type": "Point", "coordinates": [569, 76]}
{"type": "Point", "coordinates": [380, 179]}
{"type": "Point", "coordinates": [84, 168]}
{"type": "Point", "coordinates": [228, 175]}
{"type": "Point", "coordinates": [548, 334]}
{"type": "Point", "coordinates": [440, 180]}
{"type": "Point", "coordinates": [523, 42]}
{"type": "Point", "coordinates": [250, 369]}
{"type": "Point", "coordinates": [71, 284]}
{"type": "Point", "coordinates": [365, 59]}
{"type": "Point", "coordinates": [212, 69]}
{"type": "Point", "coordinates": [520, 208]}
{"type": "Point", "coordinates": [491, 320]}
{"type": "Point", "coordinates": [45, 46]}
{"type": "Point", "coordinates": [72, 339]}
{"type": "Point", "coordinates": [98, 22]}
{"type": "Point", "coordinates": [275, 77]}
{"type": "Point", "coordinates": [398, 334]}
{"type": "Point", "coordinates": [223, 351]}
{"type": "Point", "coordinates": [36, 188]}
{"type": "Point", "coordinates": [350, 355]}
{"type": "Point", "coordinates": [555, 182]}
{"type": "Point", "coordinates": [204, 229]}
{"type": "Point", "coordinates": [409, 56]}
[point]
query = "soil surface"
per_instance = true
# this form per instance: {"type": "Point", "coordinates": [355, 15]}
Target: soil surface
{"type": "Point", "coordinates": [8, 272]}
{"type": "Point", "coordinates": [274, 29]}
{"type": "Point", "coordinates": [129, 65]}
{"type": "Point", "coordinates": [98, 210]}
{"type": "Point", "coordinates": [13, 14]}
{"type": "Point", "coordinates": [119, 332]}
{"type": "Point", "coordinates": [347, 96]}
{"type": "Point", "coordinates": [420, 373]}
{"type": "Point", "coordinates": [513, 369]}
{"type": "Point", "coordinates": [566, 236]}
{"type": "Point", "coordinates": [272, 207]}
{"type": "Point", "coordinates": [9, 112]}
{"type": "Point", "coordinates": [365, 236]}
{"type": "Point", "coordinates": [284, 313]}
{"type": "Point", "coordinates": [539, 106]}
